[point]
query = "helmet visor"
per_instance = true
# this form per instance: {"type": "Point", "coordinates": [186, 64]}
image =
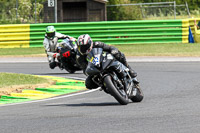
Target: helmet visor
{"type": "Point", "coordinates": [84, 49]}
{"type": "Point", "coordinates": [51, 35]}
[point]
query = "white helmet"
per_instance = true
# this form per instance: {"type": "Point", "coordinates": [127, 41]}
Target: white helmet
{"type": "Point", "coordinates": [85, 44]}
{"type": "Point", "coordinates": [50, 32]}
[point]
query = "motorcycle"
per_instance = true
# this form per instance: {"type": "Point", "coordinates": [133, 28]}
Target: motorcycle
{"type": "Point", "coordinates": [67, 59]}
{"type": "Point", "coordinates": [105, 72]}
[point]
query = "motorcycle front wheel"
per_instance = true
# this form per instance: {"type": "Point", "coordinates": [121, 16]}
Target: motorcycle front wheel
{"type": "Point", "coordinates": [70, 71]}
{"type": "Point", "coordinates": [119, 94]}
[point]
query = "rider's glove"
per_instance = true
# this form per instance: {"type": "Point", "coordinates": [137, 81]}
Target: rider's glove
{"type": "Point", "coordinates": [55, 55]}
{"type": "Point", "coordinates": [115, 53]}
{"type": "Point", "coordinates": [72, 39]}
{"type": "Point", "coordinates": [66, 37]}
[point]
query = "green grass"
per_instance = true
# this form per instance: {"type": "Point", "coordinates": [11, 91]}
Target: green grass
{"type": "Point", "coordinates": [21, 51]}
{"type": "Point", "coordinates": [191, 49]}
{"type": "Point", "coordinates": [165, 49]}
{"type": "Point", "coordinates": [10, 79]}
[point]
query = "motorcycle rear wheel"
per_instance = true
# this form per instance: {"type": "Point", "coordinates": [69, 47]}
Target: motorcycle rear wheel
{"type": "Point", "coordinates": [118, 94]}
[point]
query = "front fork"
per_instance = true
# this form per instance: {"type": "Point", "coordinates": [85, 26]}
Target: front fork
{"type": "Point", "coordinates": [125, 84]}
{"type": "Point", "coordinates": [123, 73]}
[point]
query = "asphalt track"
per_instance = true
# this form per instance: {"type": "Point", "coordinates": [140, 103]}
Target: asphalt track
{"type": "Point", "coordinates": [171, 104]}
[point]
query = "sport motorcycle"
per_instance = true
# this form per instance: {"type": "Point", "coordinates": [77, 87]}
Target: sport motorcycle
{"type": "Point", "coordinates": [106, 72]}
{"type": "Point", "coordinates": [67, 59]}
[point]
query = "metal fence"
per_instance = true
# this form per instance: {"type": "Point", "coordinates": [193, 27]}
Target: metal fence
{"type": "Point", "coordinates": [155, 9]}
{"type": "Point", "coordinates": [110, 32]}
{"type": "Point", "coordinates": [22, 11]}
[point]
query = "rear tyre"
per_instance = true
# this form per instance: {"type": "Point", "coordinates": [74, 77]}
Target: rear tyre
{"type": "Point", "coordinates": [119, 94]}
{"type": "Point", "coordinates": [138, 97]}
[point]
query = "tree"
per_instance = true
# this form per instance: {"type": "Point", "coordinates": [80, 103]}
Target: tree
{"type": "Point", "coordinates": [25, 12]}
{"type": "Point", "coordinates": [134, 12]}
{"type": "Point", "coordinates": [121, 12]}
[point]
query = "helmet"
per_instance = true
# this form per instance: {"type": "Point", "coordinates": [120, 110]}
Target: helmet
{"type": "Point", "coordinates": [84, 44]}
{"type": "Point", "coordinates": [50, 32]}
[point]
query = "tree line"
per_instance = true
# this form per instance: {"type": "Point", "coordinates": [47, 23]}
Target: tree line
{"type": "Point", "coordinates": [193, 4]}
{"type": "Point", "coordinates": [23, 11]}
{"type": "Point", "coordinates": [20, 11]}
{"type": "Point", "coordinates": [137, 12]}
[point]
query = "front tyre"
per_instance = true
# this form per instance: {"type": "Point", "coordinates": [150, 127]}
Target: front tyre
{"type": "Point", "coordinates": [119, 94]}
{"type": "Point", "coordinates": [70, 71]}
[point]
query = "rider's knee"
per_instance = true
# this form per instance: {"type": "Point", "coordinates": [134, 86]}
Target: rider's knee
{"type": "Point", "coordinates": [90, 84]}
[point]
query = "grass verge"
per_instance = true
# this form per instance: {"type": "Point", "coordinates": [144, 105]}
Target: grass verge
{"type": "Point", "coordinates": [176, 49]}
{"type": "Point", "coordinates": [22, 52]}
{"type": "Point", "coordinates": [165, 49]}
{"type": "Point", "coordinates": [13, 82]}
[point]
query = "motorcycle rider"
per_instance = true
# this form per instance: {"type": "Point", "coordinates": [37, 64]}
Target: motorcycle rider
{"type": "Point", "coordinates": [51, 45]}
{"type": "Point", "coordinates": [85, 45]}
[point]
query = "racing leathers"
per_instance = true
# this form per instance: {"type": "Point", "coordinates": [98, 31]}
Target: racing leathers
{"type": "Point", "coordinates": [82, 61]}
{"type": "Point", "coordinates": [51, 47]}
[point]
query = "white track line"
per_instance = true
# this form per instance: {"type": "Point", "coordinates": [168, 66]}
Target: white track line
{"type": "Point", "coordinates": [75, 78]}
{"type": "Point", "coordinates": [53, 98]}
{"type": "Point", "coordinates": [57, 97]}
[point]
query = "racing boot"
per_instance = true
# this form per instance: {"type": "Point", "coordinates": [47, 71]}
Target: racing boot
{"type": "Point", "coordinates": [122, 59]}
{"type": "Point", "coordinates": [135, 81]}
{"type": "Point", "coordinates": [133, 74]}
{"type": "Point", "coordinates": [52, 65]}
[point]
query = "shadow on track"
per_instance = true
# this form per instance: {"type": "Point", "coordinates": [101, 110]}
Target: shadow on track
{"type": "Point", "coordinates": [58, 73]}
{"type": "Point", "coordinates": [87, 104]}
